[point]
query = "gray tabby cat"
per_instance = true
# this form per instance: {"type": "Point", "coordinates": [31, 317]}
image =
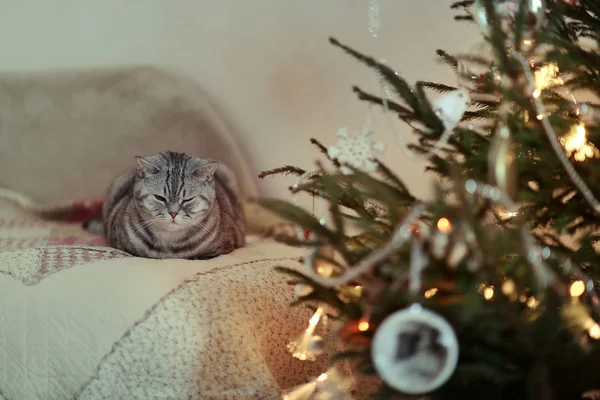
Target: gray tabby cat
{"type": "Point", "coordinates": [174, 206]}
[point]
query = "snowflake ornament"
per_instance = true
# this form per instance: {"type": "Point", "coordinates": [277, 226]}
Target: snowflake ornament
{"type": "Point", "coordinates": [357, 150]}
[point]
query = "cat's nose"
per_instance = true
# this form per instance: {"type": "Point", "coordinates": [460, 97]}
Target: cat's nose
{"type": "Point", "coordinates": [173, 214]}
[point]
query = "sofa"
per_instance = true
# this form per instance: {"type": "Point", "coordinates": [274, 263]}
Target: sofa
{"type": "Point", "coordinates": [81, 320]}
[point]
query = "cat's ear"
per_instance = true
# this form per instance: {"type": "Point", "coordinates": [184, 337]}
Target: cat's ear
{"type": "Point", "coordinates": [145, 166]}
{"type": "Point", "coordinates": [206, 170]}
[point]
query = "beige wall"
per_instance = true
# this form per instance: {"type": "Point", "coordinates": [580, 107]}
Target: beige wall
{"type": "Point", "coordinates": [267, 63]}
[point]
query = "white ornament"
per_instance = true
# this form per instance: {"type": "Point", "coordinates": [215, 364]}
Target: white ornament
{"type": "Point", "coordinates": [356, 149]}
{"type": "Point", "coordinates": [415, 351]}
{"type": "Point", "coordinates": [450, 107]}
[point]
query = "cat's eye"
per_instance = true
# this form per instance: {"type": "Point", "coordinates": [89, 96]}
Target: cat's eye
{"type": "Point", "coordinates": [187, 200]}
{"type": "Point", "coordinates": [160, 198]}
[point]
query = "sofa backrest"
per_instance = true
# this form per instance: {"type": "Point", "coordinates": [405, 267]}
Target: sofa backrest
{"type": "Point", "coordinates": [65, 134]}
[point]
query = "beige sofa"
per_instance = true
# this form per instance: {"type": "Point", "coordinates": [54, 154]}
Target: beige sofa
{"type": "Point", "coordinates": [81, 320]}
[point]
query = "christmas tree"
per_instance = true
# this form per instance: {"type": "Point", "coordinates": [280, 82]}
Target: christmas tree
{"type": "Point", "coordinates": [487, 290]}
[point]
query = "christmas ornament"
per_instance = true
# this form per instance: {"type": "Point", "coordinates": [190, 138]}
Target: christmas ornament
{"type": "Point", "coordinates": [507, 12]}
{"type": "Point", "coordinates": [415, 350]}
{"type": "Point", "coordinates": [501, 162]}
{"type": "Point", "coordinates": [450, 107]}
{"type": "Point", "coordinates": [356, 149]}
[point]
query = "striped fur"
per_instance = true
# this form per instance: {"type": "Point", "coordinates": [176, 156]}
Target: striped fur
{"type": "Point", "coordinates": [175, 206]}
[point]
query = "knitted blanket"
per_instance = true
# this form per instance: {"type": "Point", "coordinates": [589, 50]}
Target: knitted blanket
{"type": "Point", "coordinates": [81, 320]}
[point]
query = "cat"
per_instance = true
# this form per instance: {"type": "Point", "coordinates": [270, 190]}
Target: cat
{"type": "Point", "coordinates": [174, 205]}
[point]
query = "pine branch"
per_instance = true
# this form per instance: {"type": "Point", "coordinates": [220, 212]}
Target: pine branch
{"type": "Point", "coordinates": [463, 18]}
{"type": "Point", "coordinates": [403, 112]}
{"type": "Point", "coordinates": [292, 241]}
{"type": "Point", "coordinates": [402, 88]}
{"type": "Point", "coordinates": [437, 87]}
{"type": "Point", "coordinates": [324, 151]}
{"type": "Point", "coordinates": [462, 4]}
{"type": "Point", "coordinates": [448, 59]}
{"type": "Point", "coordinates": [287, 170]}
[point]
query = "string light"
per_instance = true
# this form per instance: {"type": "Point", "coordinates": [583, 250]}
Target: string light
{"type": "Point", "coordinates": [546, 77]}
{"type": "Point", "coordinates": [488, 293]}
{"type": "Point", "coordinates": [324, 268]}
{"type": "Point", "coordinates": [577, 288]}
{"type": "Point", "coordinates": [430, 293]}
{"type": "Point", "coordinates": [363, 326]}
{"type": "Point", "coordinates": [532, 303]}
{"type": "Point", "coordinates": [576, 144]}
{"type": "Point", "coordinates": [444, 225]}
{"type": "Point", "coordinates": [301, 348]}
{"type": "Point", "coordinates": [508, 287]}
{"type": "Point", "coordinates": [594, 331]}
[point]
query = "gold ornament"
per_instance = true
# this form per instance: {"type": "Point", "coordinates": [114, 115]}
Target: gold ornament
{"type": "Point", "coordinates": [501, 162]}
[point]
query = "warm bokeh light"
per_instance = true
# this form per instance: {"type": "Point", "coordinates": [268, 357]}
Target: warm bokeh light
{"type": "Point", "coordinates": [577, 288]}
{"type": "Point", "coordinates": [359, 290]}
{"type": "Point", "coordinates": [488, 293]}
{"type": "Point", "coordinates": [545, 77]}
{"type": "Point", "coordinates": [314, 320]}
{"type": "Point", "coordinates": [577, 145]}
{"type": "Point", "coordinates": [430, 293]}
{"type": "Point", "coordinates": [532, 303]}
{"type": "Point", "coordinates": [363, 326]}
{"type": "Point", "coordinates": [324, 269]}
{"type": "Point", "coordinates": [595, 331]}
{"type": "Point", "coordinates": [444, 225]}
{"type": "Point", "coordinates": [508, 287]}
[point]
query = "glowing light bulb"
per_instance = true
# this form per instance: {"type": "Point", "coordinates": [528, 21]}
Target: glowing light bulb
{"type": "Point", "coordinates": [577, 288]}
{"type": "Point", "coordinates": [522, 298]}
{"type": "Point", "coordinates": [508, 287]}
{"type": "Point", "coordinates": [430, 293]}
{"type": "Point", "coordinates": [532, 303]}
{"type": "Point", "coordinates": [577, 145]}
{"type": "Point", "coordinates": [594, 331]}
{"type": "Point", "coordinates": [363, 326]}
{"type": "Point", "coordinates": [324, 269]}
{"type": "Point", "coordinates": [545, 77]}
{"type": "Point", "coordinates": [444, 225]}
{"type": "Point", "coordinates": [488, 293]}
